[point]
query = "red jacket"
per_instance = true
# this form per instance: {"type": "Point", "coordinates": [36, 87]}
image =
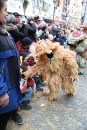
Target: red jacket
{"type": "Point", "coordinates": [20, 47]}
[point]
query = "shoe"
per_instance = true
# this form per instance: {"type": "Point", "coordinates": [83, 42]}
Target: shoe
{"type": "Point", "coordinates": [38, 88]}
{"type": "Point", "coordinates": [25, 106]}
{"type": "Point", "coordinates": [18, 119]}
{"type": "Point", "coordinates": [42, 84]}
{"type": "Point", "coordinates": [80, 73]}
{"type": "Point", "coordinates": [27, 102]}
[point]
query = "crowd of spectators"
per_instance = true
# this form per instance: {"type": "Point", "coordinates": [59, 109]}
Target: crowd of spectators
{"type": "Point", "coordinates": [18, 38]}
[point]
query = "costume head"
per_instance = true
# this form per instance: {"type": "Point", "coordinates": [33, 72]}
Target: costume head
{"type": "Point", "coordinates": [44, 47]}
{"type": "Point", "coordinates": [75, 37]}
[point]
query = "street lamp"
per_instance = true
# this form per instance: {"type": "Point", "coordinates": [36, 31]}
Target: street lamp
{"type": "Point", "coordinates": [54, 1]}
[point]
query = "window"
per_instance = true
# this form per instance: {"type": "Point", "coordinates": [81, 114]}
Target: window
{"type": "Point", "coordinates": [44, 6]}
{"type": "Point", "coordinates": [49, 8]}
{"type": "Point", "coordinates": [38, 3]}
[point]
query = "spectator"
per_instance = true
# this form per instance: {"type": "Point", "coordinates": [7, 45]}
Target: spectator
{"type": "Point", "coordinates": [17, 18]}
{"type": "Point", "coordinates": [13, 30]}
{"type": "Point", "coordinates": [29, 29]}
{"type": "Point", "coordinates": [26, 94]}
{"type": "Point", "coordinates": [41, 32]}
{"type": "Point", "coordinates": [55, 32]}
{"type": "Point", "coordinates": [23, 46]}
{"type": "Point", "coordinates": [10, 96]}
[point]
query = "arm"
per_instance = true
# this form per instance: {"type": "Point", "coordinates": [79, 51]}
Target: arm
{"type": "Point", "coordinates": [37, 69]}
{"type": "Point", "coordinates": [17, 34]}
{"type": "Point", "coordinates": [4, 98]}
{"type": "Point", "coordinates": [71, 65]}
{"type": "Point", "coordinates": [3, 85]}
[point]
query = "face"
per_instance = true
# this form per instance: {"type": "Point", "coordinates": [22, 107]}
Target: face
{"type": "Point", "coordinates": [26, 47]}
{"type": "Point", "coordinates": [3, 14]}
{"type": "Point", "coordinates": [17, 19]}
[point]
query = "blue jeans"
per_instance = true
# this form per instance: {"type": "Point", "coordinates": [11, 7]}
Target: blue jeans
{"type": "Point", "coordinates": [37, 80]}
{"type": "Point", "coordinates": [27, 94]}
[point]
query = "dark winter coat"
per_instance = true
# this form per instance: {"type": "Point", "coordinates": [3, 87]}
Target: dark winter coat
{"type": "Point", "coordinates": [29, 30]}
{"type": "Point", "coordinates": [56, 32]}
{"type": "Point", "coordinates": [15, 33]}
{"type": "Point", "coordinates": [9, 72]}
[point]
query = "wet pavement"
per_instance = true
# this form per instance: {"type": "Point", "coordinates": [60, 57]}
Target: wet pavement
{"type": "Point", "coordinates": [67, 113]}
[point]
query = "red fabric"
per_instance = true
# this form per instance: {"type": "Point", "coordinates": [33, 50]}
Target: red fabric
{"type": "Point", "coordinates": [85, 48]}
{"type": "Point", "coordinates": [30, 62]}
{"type": "Point", "coordinates": [56, 20]}
{"type": "Point", "coordinates": [23, 85]}
{"type": "Point", "coordinates": [30, 82]}
{"type": "Point", "coordinates": [20, 47]}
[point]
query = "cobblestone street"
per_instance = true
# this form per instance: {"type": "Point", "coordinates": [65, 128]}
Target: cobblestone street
{"type": "Point", "coordinates": [67, 113]}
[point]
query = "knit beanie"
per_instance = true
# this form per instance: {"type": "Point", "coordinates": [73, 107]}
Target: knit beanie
{"type": "Point", "coordinates": [26, 41]}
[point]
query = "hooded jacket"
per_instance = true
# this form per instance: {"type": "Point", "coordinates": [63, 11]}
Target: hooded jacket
{"type": "Point", "coordinates": [15, 33]}
{"type": "Point", "coordinates": [9, 72]}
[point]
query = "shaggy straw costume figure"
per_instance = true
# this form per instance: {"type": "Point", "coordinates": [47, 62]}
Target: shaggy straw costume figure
{"type": "Point", "coordinates": [61, 65]}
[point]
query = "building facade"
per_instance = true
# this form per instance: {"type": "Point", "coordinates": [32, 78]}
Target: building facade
{"type": "Point", "coordinates": [17, 6]}
{"type": "Point", "coordinates": [43, 7]}
{"type": "Point", "coordinates": [84, 12]}
{"type": "Point", "coordinates": [75, 12]}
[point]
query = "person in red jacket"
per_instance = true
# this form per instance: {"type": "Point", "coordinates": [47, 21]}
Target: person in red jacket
{"type": "Point", "coordinates": [23, 46]}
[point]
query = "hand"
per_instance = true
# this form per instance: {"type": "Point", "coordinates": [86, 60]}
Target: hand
{"type": "Point", "coordinates": [4, 100]}
{"type": "Point", "coordinates": [43, 28]}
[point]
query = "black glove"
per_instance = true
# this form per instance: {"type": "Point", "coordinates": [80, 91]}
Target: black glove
{"type": "Point", "coordinates": [43, 28]}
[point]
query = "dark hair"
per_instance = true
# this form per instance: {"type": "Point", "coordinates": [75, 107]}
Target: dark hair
{"type": "Point", "coordinates": [1, 6]}
{"type": "Point", "coordinates": [72, 30]}
{"type": "Point", "coordinates": [2, 3]}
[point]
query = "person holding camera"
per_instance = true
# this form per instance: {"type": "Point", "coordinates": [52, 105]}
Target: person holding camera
{"type": "Point", "coordinates": [29, 29]}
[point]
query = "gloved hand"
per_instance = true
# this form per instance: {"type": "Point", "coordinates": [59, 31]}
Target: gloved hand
{"type": "Point", "coordinates": [43, 28]}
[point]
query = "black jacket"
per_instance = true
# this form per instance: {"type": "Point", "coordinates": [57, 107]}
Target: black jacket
{"type": "Point", "coordinates": [29, 30]}
{"type": "Point", "coordinates": [16, 34]}
{"type": "Point", "coordinates": [56, 32]}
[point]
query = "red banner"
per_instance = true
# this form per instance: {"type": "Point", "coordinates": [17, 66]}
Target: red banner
{"type": "Point", "coordinates": [56, 20]}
